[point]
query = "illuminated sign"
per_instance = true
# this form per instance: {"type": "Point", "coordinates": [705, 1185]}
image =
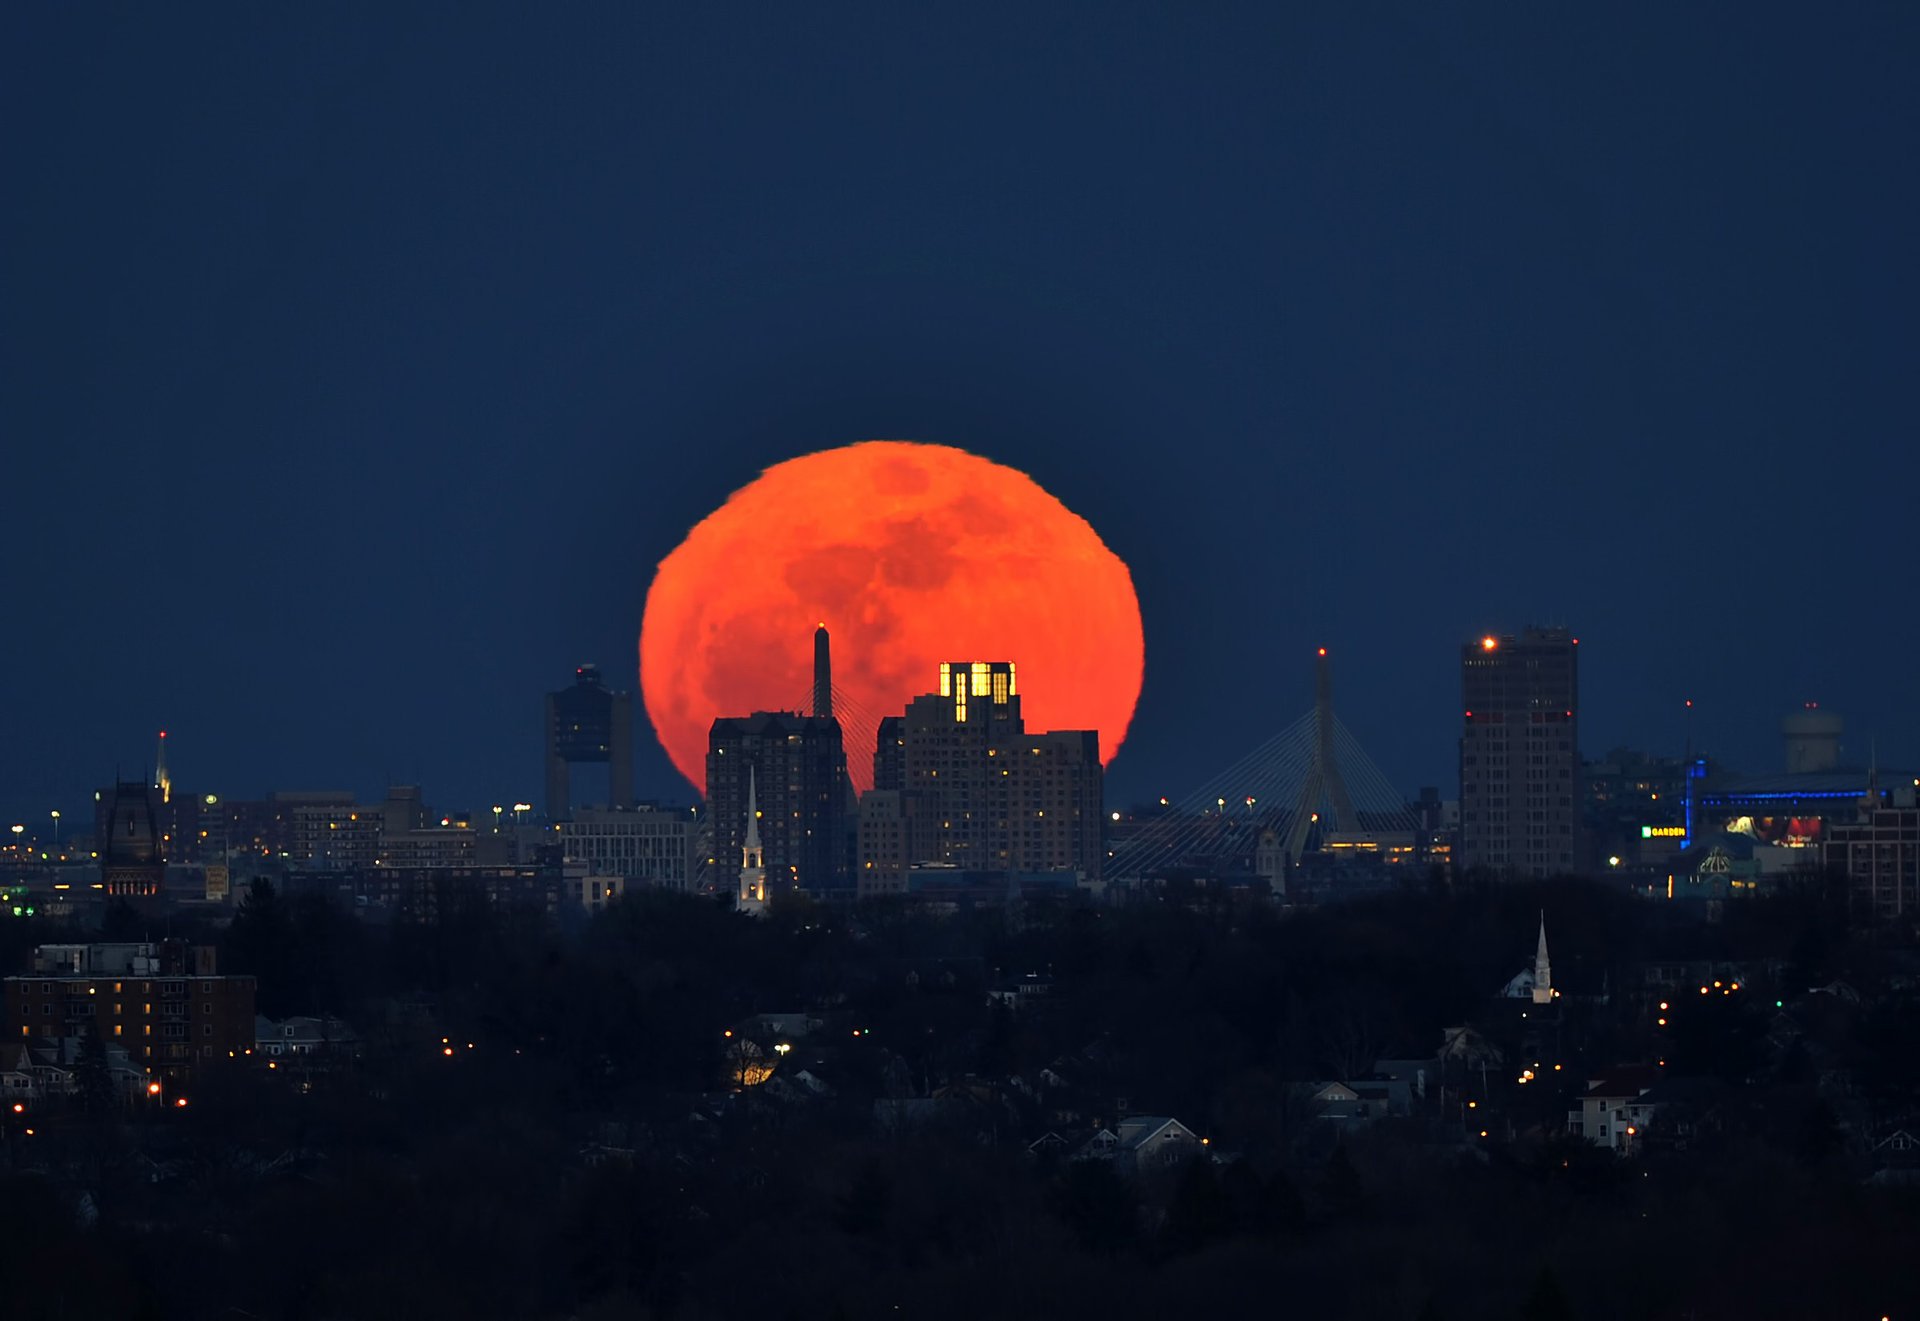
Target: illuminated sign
{"type": "Point", "coordinates": [1663, 832]}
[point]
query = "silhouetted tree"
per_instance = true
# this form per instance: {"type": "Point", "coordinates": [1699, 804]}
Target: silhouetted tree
{"type": "Point", "coordinates": [862, 1208]}
{"type": "Point", "coordinates": [1097, 1205]}
{"type": "Point", "coordinates": [1547, 1301]}
{"type": "Point", "coordinates": [1340, 1186]}
{"type": "Point", "coordinates": [1199, 1212]}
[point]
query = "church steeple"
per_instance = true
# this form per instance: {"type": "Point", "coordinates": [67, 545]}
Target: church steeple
{"type": "Point", "coordinates": [1542, 968]}
{"type": "Point", "coordinates": [753, 862]}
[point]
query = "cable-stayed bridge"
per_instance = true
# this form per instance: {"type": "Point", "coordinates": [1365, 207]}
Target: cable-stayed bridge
{"type": "Point", "coordinates": [859, 727]}
{"type": "Point", "coordinates": [1309, 787]}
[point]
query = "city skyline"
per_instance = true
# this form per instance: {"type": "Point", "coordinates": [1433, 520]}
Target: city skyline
{"type": "Point", "coordinates": [1455, 337]}
{"type": "Point", "coordinates": [1764, 738]}
{"type": "Point", "coordinates": [866, 661]}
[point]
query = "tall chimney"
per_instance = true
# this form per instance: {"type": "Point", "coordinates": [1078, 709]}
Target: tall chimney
{"type": "Point", "coordinates": [822, 673]}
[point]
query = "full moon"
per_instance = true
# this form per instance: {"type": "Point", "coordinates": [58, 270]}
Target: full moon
{"type": "Point", "coordinates": [910, 554]}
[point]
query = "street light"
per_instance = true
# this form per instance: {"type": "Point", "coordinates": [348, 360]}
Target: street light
{"type": "Point", "coordinates": [497, 810]}
{"type": "Point", "coordinates": [56, 829]}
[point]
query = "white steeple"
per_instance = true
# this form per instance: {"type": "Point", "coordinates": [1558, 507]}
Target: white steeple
{"type": "Point", "coordinates": [753, 869]}
{"type": "Point", "coordinates": [1542, 968]}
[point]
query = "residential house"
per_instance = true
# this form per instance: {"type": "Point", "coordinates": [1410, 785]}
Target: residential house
{"type": "Point", "coordinates": [1615, 1108]}
{"type": "Point", "coordinates": [1151, 1142]}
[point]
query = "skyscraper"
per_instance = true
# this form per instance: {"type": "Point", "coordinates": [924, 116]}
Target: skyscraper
{"type": "Point", "coordinates": [1519, 752]}
{"type": "Point", "coordinates": [588, 723]}
{"type": "Point", "coordinates": [795, 768]}
{"type": "Point", "coordinates": [959, 780]}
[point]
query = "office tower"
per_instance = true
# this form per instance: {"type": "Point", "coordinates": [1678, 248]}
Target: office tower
{"type": "Point", "coordinates": [643, 846]}
{"type": "Point", "coordinates": [588, 723]}
{"type": "Point", "coordinates": [404, 810]}
{"type": "Point", "coordinates": [960, 781]}
{"type": "Point", "coordinates": [795, 767]}
{"type": "Point", "coordinates": [1519, 752]}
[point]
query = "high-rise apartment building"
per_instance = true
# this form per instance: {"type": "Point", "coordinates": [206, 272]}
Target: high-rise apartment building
{"type": "Point", "coordinates": [958, 780]}
{"type": "Point", "coordinates": [1520, 753]}
{"type": "Point", "coordinates": [796, 767]}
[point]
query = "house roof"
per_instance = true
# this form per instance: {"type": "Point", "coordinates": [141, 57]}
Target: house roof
{"type": "Point", "coordinates": [1138, 1131]}
{"type": "Point", "coordinates": [1625, 1081]}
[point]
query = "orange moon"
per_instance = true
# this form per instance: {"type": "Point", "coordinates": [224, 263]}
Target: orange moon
{"type": "Point", "coordinates": [911, 555]}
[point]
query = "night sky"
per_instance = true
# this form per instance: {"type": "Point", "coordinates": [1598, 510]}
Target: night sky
{"type": "Point", "coordinates": [358, 367]}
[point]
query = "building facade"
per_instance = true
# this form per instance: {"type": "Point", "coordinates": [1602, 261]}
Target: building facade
{"type": "Point", "coordinates": [588, 723]}
{"type": "Point", "coordinates": [643, 846]}
{"type": "Point", "coordinates": [1520, 803]}
{"type": "Point", "coordinates": [164, 1003]}
{"type": "Point", "coordinates": [959, 781]}
{"type": "Point", "coordinates": [796, 768]}
{"type": "Point", "coordinates": [132, 844]}
{"type": "Point", "coordinates": [1880, 856]}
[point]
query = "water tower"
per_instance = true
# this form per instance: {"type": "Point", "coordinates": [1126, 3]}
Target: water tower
{"type": "Point", "coordinates": [1813, 739]}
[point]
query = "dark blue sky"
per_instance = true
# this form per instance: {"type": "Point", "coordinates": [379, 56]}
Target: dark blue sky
{"type": "Point", "coordinates": [358, 367]}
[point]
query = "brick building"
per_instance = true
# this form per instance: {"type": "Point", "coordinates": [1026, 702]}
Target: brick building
{"type": "Point", "coordinates": [163, 1003]}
